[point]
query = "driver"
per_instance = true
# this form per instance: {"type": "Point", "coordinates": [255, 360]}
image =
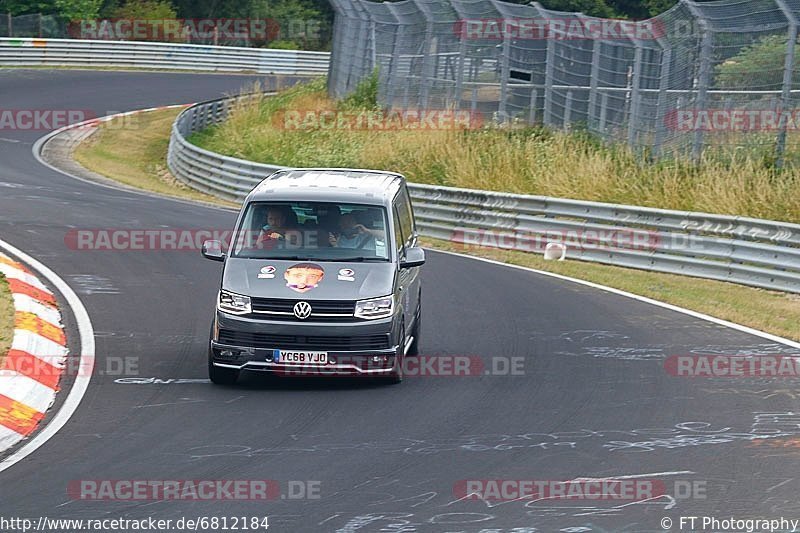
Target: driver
{"type": "Point", "coordinates": [276, 227]}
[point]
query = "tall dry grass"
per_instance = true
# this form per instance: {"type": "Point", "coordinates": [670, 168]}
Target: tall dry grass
{"type": "Point", "coordinates": [529, 160]}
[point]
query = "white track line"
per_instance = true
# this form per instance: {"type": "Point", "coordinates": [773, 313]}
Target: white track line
{"type": "Point", "coordinates": [86, 365]}
{"type": "Point", "coordinates": [644, 299]}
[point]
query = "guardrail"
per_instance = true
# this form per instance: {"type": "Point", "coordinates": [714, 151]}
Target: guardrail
{"type": "Point", "coordinates": [172, 56]}
{"type": "Point", "coordinates": [759, 253]}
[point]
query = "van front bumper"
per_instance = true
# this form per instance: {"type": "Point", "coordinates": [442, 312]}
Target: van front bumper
{"type": "Point", "coordinates": [366, 348]}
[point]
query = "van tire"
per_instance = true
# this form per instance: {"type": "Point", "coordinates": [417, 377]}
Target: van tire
{"type": "Point", "coordinates": [413, 350]}
{"type": "Point", "coordinates": [222, 376]}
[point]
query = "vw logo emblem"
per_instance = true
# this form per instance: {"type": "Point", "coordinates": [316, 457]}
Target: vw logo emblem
{"type": "Point", "coordinates": [302, 310]}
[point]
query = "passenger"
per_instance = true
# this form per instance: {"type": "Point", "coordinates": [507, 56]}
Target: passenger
{"type": "Point", "coordinates": [351, 234]}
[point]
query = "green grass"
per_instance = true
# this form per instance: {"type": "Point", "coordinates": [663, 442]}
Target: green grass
{"type": "Point", "coordinates": [6, 318]}
{"type": "Point", "coordinates": [133, 151]}
{"type": "Point", "coordinates": [521, 160]}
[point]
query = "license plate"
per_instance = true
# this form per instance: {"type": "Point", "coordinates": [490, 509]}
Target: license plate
{"type": "Point", "coordinates": [300, 356]}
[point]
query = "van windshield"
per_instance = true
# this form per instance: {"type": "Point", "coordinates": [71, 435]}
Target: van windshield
{"type": "Point", "coordinates": [321, 231]}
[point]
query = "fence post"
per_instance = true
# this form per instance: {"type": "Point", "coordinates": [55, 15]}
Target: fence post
{"type": "Point", "coordinates": [603, 111]}
{"type": "Point", "coordinates": [532, 112]}
{"type": "Point", "coordinates": [394, 64]}
{"type": "Point", "coordinates": [568, 111]}
{"type": "Point", "coordinates": [428, 65]}
{"type": "Point", "coordinates": [505, 73]}
{"type": "Point", "coordinates": [334, 68]}
{"type": "Point", "coordinates": [428, 47]}
{"type": "Point", "coordinates": [462, 52]}
{"type": "Point", "coordinates": [355, 42]}
{"type": "Point", "coordinates": [661, 111]}
{"type": "Point", "coordinates": [366, 42]}
{"type": "Point", "coordinates": [788, 80]}
{"type": "Point", "coordinates": [633, 115]}
{"type": "Point", "coordinates": [593, 83]}
{"type": "Point", "coordinates": [703, 76]}
{"type": "Point", "coordinates": [474, 105]}
{"type": "Point", "coordinates": [10, 25]}
{"type": "Point", "coordinates": [548, 81]}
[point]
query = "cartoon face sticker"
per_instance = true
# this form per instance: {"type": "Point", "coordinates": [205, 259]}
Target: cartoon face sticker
{"type": "Point", "coordinates": [303, 277]}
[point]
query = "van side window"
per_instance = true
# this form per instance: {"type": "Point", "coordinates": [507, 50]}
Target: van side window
{"type": "Point", "coordinates": [403, 209]}
{"type": "Point", "coordinates": [398, 232]}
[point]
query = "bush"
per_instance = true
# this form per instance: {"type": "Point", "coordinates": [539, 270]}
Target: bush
{"type": "Point", "coordinates": [758, 66]}
{"type": "Point", "coordinates": [145, 10]}
{"type": "Point", "coordinates": [365, 95]}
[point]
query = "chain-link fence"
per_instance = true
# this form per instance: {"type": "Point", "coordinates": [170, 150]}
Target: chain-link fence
{"type": "Point", "coordinates": [36, 25]}
{"type": "Point", "coordinates": [717, 76]}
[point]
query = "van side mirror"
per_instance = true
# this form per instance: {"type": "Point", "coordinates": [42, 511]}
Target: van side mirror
{"type": "Point", "coordinates": [415, 256]}
{"type": "Point", "coordinates": [213, 250]}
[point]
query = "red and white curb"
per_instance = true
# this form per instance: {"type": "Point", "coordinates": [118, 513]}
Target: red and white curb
{"type": "Point", "coordinates": [32, 369]}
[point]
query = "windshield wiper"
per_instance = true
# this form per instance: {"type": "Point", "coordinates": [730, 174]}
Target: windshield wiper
{"type": "Point", "coordinates": [285, 258]}
{"type": "Point", "coordinates": [356, 259]}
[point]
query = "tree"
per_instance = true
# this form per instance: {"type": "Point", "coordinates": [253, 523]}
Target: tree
{"type": "Point", "coordinates": [78, 9]}
{"type": "Point", "coordinates": [656, 7]}
{"type": "Point", "coordinates": [67, 9]}
{"type": "Point", "coordinates": [593, 8]}
{"type": "Point", "coordinates": [26, 7]}
{"type": "Point", "coordinates": [145, 10]}
{"type": "Point", "coordinates": [634, 9]}
{"type": "Point", "coordinates": [215, 8]}
{"type": "Point", "coordinates": [301, 24]}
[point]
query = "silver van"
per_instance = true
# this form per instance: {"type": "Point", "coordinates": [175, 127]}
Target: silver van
{"type": "Point", "coordinates": [321, 277]}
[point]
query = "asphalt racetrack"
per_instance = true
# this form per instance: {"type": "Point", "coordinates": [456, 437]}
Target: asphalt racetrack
{"type": "Point", "coordinates": [592, 399]}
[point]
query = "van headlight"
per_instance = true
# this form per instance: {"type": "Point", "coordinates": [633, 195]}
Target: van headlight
{"type": "Point", "coordinates": [234, 303]}
{"type": "Point", "coordinates": [375, 308]}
